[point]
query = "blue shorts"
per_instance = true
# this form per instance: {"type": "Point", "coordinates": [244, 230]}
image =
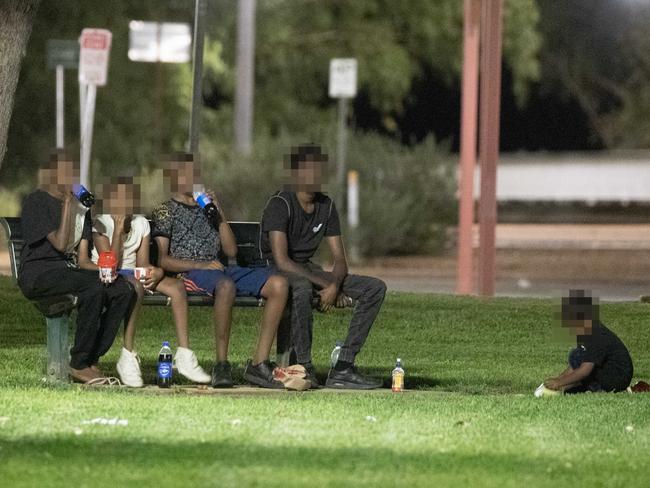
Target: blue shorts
{"type": "Point", "coordinates": [249, 281]}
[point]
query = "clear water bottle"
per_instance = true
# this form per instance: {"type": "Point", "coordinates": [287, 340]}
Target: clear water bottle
{"type": "Point", "coordinates": [165, 366]}
{"type": "Point", "coordinates": [208, 206]}
{"type": "Point", "coordinates": [335, 353]}
{"type": "Point", "coordinates": [398, 377]}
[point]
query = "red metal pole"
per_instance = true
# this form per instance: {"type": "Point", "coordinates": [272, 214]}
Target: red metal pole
{"type": "Point", "coordinates": [468, 129]}
{"type": "Point", "coordinates": [489, 140]}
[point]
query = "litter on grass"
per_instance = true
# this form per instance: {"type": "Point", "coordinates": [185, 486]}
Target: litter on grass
{"type": "Point", "coordinates": [629, 428]}
{"type": "Point", "coordinates": [370, 418]}
{"type": "Point", "coordinates": [105, 421]}
{"type": "Point", "coordinates": [4, 420]}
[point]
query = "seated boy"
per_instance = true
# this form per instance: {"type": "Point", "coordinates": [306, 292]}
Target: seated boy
{"type": "Point", "coordinates": [600, 362]}
{"type": "Point", "coordinates": [189, 243]}
{"type": "Point", "coordinates": [55, 261]}
{"type": "Point", "coordinates": [294, 224]}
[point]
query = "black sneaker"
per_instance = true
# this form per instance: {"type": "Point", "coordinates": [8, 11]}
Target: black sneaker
{"type": "Point", "coordinates": [351, 379]}
{"type": "Point", "coordinates": [311, 375]}
{"type": "Point", "coordinates": [262, 375]}
{"type": "Point", "coordinates": [222, 375]}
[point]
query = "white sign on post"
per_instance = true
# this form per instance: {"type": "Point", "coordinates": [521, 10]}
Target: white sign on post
{"type": "Point", "coordinates": [95, 46]}
{"type": "Point", "coordinates": [93, 56]}
{"type": "Point", "coordinates": [343, 78]}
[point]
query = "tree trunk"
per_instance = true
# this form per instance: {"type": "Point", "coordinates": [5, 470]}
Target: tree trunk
{"type": "Point", "coordinates": [16, 19]}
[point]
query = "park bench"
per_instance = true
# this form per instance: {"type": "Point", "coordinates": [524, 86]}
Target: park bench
{"type": "Point", "coordinates": [57, 309]}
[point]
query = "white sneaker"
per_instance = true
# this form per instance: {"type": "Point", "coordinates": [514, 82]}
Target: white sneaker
{"type": "Point", "coordinates": [188, 366]}
{"type": "Point", "coordinates": [128, 367]}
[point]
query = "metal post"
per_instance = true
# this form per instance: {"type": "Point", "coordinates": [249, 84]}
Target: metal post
{"type": "Point", "coordinates": [197, 95]}
{"type": "Point", "coordinates": [489, 140]}
{"type": "Point", "coordinates": [60, 121]}
{"type": "Point", "coordinates": [469, 110]}
{"type": "Point", "coordinates": [244, 92]}
{"type": "Point", "coordinates": [353, 214]}
{"type": "Point", "coordinates": [87, 133]}
{"type": "Point", "coordinates": [340, 152]}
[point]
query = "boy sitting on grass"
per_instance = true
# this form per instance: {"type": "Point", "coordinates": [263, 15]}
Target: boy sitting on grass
{"type": "Point", "coordinates": [600, 362]}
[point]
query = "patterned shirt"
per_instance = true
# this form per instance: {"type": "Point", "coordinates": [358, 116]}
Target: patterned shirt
{"type": "Point", "coordinates": [190, 234]}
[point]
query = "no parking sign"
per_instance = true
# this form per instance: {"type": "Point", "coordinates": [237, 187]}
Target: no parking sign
{"type": "Point", "coordinates": [95, 47]}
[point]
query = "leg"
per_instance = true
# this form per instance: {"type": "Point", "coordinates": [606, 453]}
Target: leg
{"type": "Point", "coordinates": [119, 299]}
{"type": "Point", "coordinates": [276, 291]}
{"type": "Point", "coordinates": [175, 290]}
{"type": "Point", "coordinates": [300, 292]}
{"type": "Point", "coordinates": [369, 293]}
{"type": "Point", "coordinates": [129, 329]}
{"type": "Point", "coordinates": [224, 297]}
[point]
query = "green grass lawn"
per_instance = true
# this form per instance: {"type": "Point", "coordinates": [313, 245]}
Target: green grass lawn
{"type": "Point", "coordinates": [469, 418]}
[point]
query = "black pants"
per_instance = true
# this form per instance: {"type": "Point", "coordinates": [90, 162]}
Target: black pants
{"type": "Point", "coordinates": [601, 379]}
{"type": "Point", "coordinates": [100, 311]}
{"type": "Point", "coordinates": [296, 326]}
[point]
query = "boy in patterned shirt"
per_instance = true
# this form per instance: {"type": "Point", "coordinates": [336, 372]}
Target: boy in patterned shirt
{"type": "Point", "coordinates": [189, 243]}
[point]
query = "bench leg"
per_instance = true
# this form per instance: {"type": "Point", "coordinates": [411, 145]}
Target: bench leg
{"type": "Point", "coordinates": [58, 349]}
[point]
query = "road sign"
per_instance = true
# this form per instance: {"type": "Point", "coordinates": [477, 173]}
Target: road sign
{"type": "Point", "coordinates": [165, 42]}
{"type": "Point", "coordinates": [343, 78]}
{"type": "Point", "coordinates": [62, 52]}
{"type": "Point", "coordinates": [93, 58]}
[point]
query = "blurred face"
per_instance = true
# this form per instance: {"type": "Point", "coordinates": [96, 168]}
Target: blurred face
{"type": "Point", "coordinates": [183, 177]}
{"type": "Point", "coordinates": [579, 327]}
{"type": "Point", "coordinates": [120, 199]}
{"type": "Point", "coordinates": [309, 176]}
{"type": "Point", "coordinates": [60, 177]}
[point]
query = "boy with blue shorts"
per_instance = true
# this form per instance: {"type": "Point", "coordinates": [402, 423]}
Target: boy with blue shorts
{"type": "Point", "coordinates": [189, 242]}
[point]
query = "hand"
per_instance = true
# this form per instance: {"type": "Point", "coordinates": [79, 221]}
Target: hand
{"type": "Point", "coordinates": [552, 383]}
{"type": "Point", "coordinates": [342, 300]}
{"type": "Point", "coordinates": [328, 296]}
{"type": "Point", "coordinates": [154, 276]}
{"type": "Point", "coordinates": [67, 196]}
{"type": "Point", "coordinates": [214, 199]}
{"type": "Point", "coordinates": [212, 265]}
{"type": "Point", "coordinates": [118, 221]}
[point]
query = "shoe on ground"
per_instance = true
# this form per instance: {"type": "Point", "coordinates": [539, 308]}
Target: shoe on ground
{"type": "Point", "coordinates": [542, 391]}
{"type": "Point", "coordinates": [84, 375]}
{"type": "Point", "coordinates": [188, 366]}
{"type": "Point", "coordinates": [262, 375]}
{"type": "Point", "coordinates": [128, 367]}
{"type": "Point", "coordinates": [222, 375]}
{"type": "Point", "coordinates": [351, 379]}
{"type": "Point", "coordinates": [311, 376]}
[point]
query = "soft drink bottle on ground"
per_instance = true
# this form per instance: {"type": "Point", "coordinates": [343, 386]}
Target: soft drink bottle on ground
{"type": "Point", "coordinates": [398, 376]}
{"type": "Point", "coordinates": [334, 357]}
{"type": "Point", "coordinates": [165, 366]}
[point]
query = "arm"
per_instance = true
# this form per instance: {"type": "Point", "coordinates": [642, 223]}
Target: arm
{"type": "Point", "coordinates": [228, 241]}
{"type": "Point", "coordinates": [154, 274]}
{"type": "Point", "coordinates": [570, 377]}
{"type": "Point", "coordinates": [116, 241]}
{"type": "Point", "coordinates": [175, 265]}
{"type": "Point", "coordinates": [279, 248]}
{"type": "Point", "coordinates": [340, 270]}
{"type": "Point", "coordinates": [83, 256]}
{"type": "Point", "coordinates": [59, 238]}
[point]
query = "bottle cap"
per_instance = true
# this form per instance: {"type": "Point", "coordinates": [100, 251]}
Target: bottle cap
{"type": "Point", "coordinates": [166, 343]}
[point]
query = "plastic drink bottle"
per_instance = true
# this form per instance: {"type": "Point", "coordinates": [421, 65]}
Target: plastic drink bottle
{"type": "Point", "coordinates": [398, 377]}
{"type": "Point", "coordinates": [334, 357]}
{"type": "Point", "coordinates": [107, 264]}
{"type": "Point", "coordinates": [208, 206]}
{"type": "Point", "coordinates": [86, 198]}
{"type": "Point", "coordinates": [165, 366]}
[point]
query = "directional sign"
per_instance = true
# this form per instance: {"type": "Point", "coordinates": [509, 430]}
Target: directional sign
{"type": "Point", "coordinates": [164, 42]}
{"type": "Point", "coordinates": [343, 78]}
{"type": "Point", "coordinates": [61, 52]}
{"type": "Point", "coordinates": [93, 58]}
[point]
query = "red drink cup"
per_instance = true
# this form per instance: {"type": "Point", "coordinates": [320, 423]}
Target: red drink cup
{"type": "Point", "coordinates": [107, 264]}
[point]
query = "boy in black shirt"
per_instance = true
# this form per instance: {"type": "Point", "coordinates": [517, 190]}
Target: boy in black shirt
{"type": "Point", "coordinates": [294, 224]}
{"type": "Point", "coordinates": [57, 232]}
{"type": "Point", "coordinates": [600, 362]}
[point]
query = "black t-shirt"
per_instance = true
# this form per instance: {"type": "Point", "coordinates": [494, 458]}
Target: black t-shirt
{"type": "Point", "coordinates": [41, 214]}
{"type": "Point", "coordinates": [304, 231]}
{"type": "Point", "coordinates": [612, 362]}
